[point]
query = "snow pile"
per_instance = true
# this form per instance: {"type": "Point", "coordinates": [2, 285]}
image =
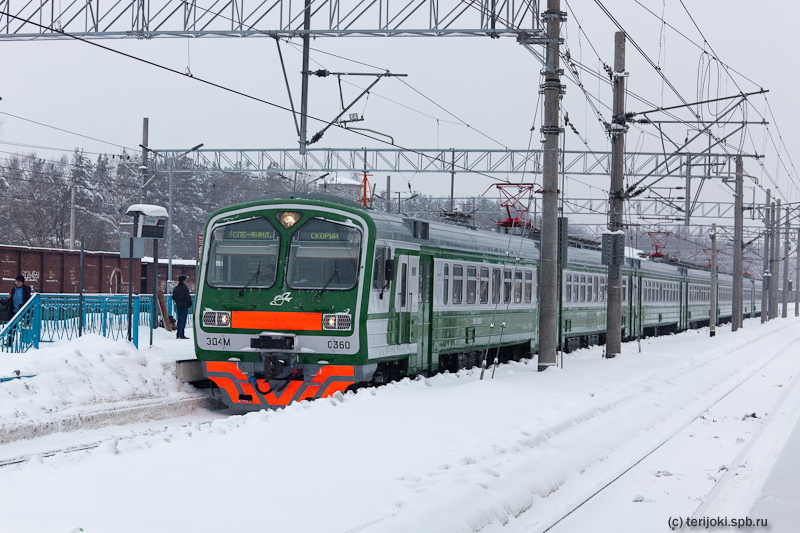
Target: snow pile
{"type": "Point", "coordinates": [80, 383]}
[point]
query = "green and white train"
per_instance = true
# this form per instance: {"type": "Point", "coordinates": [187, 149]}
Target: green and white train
{"type": "Point", "coordinates": [301, 296]}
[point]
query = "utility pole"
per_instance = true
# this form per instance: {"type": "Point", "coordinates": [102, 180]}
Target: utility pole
{"type": "Point", "coordinates": [615, 201]}
{"type": "Point", "coordinates": [775, 268]}
{"type": "Point", "coordinates": [548, 277]}
{"type": "Point", "coordinates": [765, 282]}
{"type": "Point", "coordinates": [388, 194]}
{"type": "Point", "coordinates": [785, 291]}
{"type": "Point", "coordinates": [143, 169]}
{"type": "Point", "coordinates": [738, 233]}
{"type": "Point", "coordinates": [712, 317]}
{"type": "Point", "coordinates": [72, 218]}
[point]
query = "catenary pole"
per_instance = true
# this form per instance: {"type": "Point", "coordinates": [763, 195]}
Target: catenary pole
{"type": "Point", "coordinates": [548, 277]}
{"type": "Point", "coordinates": [797, 275]}
{"type": "Point", "coordinates": [775, 269]}
{"type": "Point", "coordinates": [766, 262]}
{"type": "Point", "coordinates": [738, 232]}
{"type": "Point", "coordinates": [304, 86]}
{"type": "Point", "coordinates": [615, 201]}
{"type": "Point", "coordinates": [712, 317]}
{"type": "Point", "coordinates": [785, 261]}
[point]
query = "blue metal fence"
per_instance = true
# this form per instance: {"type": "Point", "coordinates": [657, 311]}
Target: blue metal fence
{"type": "Point", "coordinates": [51, 317]}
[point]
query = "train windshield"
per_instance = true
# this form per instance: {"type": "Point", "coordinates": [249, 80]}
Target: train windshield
{"type": "Point", "coordinates": [324, 255]}
{"type": "Point", "coordinates": [244, 254]}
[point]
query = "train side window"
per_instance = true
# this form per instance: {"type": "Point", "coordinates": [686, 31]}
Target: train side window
{"type": "Point", "coordinates": [575, 288]}
{"type": "Point", "coordinates": [496, 282]}
{"type": "Point", "coordinates": [624, 289]}
{"type": "Point", "coordinates": [507, 286]}
{"type": "Point", "coordinates": [472, 284]}
{"type": "Point", "coordinates": [528, 286]}
{"type": "Point", "coordinates": [458, 284]}
{"type": "Point", "coordinates": [380, 268]}
{"type": "Point", "coordinates": [403, 284]}
{"type": "Point", "coordinates": [446, 284]}
{"type": "Point", "coordinates": [583, 289]}
{"type": "Point", "coordinates": [517, 286]}
{"type": "Point", "coordinates": [567, 287]}
{"type": "Point", "coordinates": [484, 285]}
{"type": "Point", "coordinates": [595, 288]}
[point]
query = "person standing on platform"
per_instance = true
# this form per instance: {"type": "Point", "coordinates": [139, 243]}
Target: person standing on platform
{"type": "Point", "coordinates": [19, 294]}
{"type": "Point", "coordinates": [183, 302]}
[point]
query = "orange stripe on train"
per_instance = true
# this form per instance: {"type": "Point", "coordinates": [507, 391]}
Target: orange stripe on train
{"type": "Point", "coordinates": [229, 367]}
{"type": "Point", "coordinates": [277, 320]}
{"type": "Point", "coordinates": [295, 390]}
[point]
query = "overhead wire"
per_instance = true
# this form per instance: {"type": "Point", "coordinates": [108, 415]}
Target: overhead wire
{"type": "Point", "coordinates": [237, 92]}
{"type": "Point", "coordinates": [728, 69]}
{"type": "Point", "coordinates": [64, 130]}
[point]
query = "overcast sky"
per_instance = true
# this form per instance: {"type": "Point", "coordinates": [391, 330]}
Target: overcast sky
{"type": "Point", "coordinates": [490, 85]}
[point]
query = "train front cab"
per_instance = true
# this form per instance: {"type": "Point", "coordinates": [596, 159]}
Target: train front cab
{"type": "Point", "coordinates": [279, 301]}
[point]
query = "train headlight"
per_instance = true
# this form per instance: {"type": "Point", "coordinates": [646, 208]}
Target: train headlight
{"type": "Point", "coordinates": [217, 319]}
{"type": "Point", "coordinates": [288, 218]}
{"type": "Point", "coordinates": [337, 322]}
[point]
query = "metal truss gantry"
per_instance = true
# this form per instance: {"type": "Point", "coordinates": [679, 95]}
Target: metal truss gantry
{"type": "Point", "coordinates": [502, 165]}
{"type": "Point", "coordinates": [145, 19]}
{"type": "Point", "coordinates": [500, 162]}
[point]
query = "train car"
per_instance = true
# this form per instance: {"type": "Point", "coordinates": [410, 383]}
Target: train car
{"type": "Point", "coordinates": [583, 300]}
{"type": "Point", "coordinates": [55, 270]}
{"type": "Point", "coordinates": [301, 296]}
{"type": "Point", "coordinates": [658, 291]}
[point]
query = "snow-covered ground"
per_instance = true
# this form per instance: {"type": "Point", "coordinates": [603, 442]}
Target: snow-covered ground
{"type": "Point", "coordinates": [451, 453]}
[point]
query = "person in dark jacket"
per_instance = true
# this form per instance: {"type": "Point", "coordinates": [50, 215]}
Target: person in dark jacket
{"type": "Point", "coordinates": [183, 302]}
{"type": "Point", "coordinates": [19, 294]}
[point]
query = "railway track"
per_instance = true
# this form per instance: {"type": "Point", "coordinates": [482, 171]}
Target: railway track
{"type": "Point", "coordinates": [116, 424]}
{"type": "Point", "coordinates": [729, 473]}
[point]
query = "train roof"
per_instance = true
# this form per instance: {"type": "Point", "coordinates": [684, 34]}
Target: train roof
{"type": "Point", "coordinates": [398, 227]}
{"type": "Point", "coordinates": [451, 236]}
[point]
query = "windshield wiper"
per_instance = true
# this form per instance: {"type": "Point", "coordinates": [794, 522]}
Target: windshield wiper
{"type": "Point", "coordinates": [334, 274]}
{"type": "Point", "coordinates": [253, 279]}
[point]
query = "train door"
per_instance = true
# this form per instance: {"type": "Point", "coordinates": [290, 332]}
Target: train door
{"type": "Point", "coordinates": [635, 297]}
{"type": "Point", "coordinates": [405, 299]}
{"type": "Point", "coordinates": [425, 313]}
{"type": "Point", "coordinates": [684, 305]}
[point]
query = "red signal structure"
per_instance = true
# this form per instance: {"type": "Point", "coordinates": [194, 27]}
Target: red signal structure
{"type": "Point", "coordinates": [516, 199]}
{"type": "Point", "coordinates": [364, 196]}
{"type": "Point", "coordinates": [707, 251]}
{"type": "Point", "coordinates": [746, 266]}
{"type": "Point", "coordinates": [659, 239]}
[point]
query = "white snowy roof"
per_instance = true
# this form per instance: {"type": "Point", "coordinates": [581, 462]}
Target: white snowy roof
{"type": "Point", "coordinates": [148, 210]}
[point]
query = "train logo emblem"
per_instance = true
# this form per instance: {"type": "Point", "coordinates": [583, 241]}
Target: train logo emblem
{"type": "Point", "coordinates": [281, 298]}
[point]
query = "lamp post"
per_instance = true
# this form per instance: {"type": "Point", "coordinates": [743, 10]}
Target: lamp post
{"type": "Point", "coordinates": [169, 225]}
